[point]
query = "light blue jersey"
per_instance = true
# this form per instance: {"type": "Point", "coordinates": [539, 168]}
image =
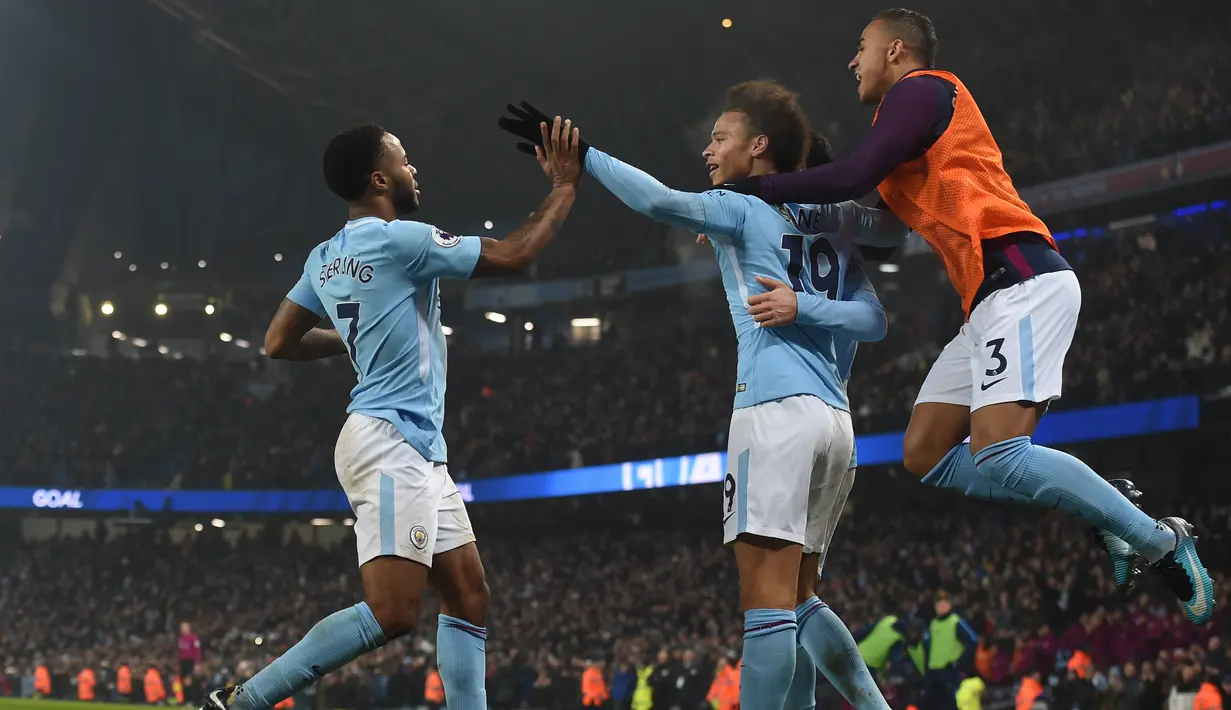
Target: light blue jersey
{"type": "Point", "coordinates": [857, 288]}
{"type": "Point", "coordinates": [811, 247]}
{"type": "Point", "coordinates": [379, 283]}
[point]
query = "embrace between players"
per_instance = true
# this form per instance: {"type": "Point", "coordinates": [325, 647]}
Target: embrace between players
{"type": "Point", "coordinates": [789, 245]}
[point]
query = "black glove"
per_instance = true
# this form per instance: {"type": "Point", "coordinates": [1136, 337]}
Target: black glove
{"type": "Point", "coordinates": [525, 125]}
{"type": "Point", "coordinates": [747, 186]}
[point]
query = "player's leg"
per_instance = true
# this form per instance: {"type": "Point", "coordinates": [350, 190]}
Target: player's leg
{"type": "Point", "coordinates": [764, 515]}
{"type": "Point", "coordinates": [458, 578]}
{"type": "Point", "coordinates": [388, 484]}
{"type": "Point", "coordinates": [821, 633]}
{"type": "Point", "coordinates": [933, 446]}
{"type": "Point", "coordinates": [1026, 334]}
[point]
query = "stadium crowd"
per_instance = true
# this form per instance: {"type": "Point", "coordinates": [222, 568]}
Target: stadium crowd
{"type": "Point", "coordinates": [1034, 588]}
{"type": "Point", "coordinates": [117, 422]}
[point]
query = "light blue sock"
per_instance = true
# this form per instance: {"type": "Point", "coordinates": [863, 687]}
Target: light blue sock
{"type": "Point", "coordinates": [461, 655]}
{"type": "Point", "coordinates": [1061, 482]}
{"type": "Point", "coordinates": [833, 649]}
{"type": "Point", "coordinates": [769, 658]}
{"type": "Point", "coordinates": [802, 693]}
{"type": "Point", "coordinates": [957, 471]}
{"type": "Point", "coordinates": [335, 641]}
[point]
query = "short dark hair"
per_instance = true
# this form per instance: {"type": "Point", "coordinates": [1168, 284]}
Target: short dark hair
{"type": "Point", "coordinates": [773, 110]}
{"type": "Point", "coordinates": [351, 157]}
{"type": "Point", "coordinates": [819, 152]}
{"type": "Point", "coordinates": [916, 31]}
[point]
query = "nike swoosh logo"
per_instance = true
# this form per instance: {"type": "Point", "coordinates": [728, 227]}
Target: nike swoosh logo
{"type": "Point", "coordinates": [728, 517]}
{"type": "Point", "coordinates": [988, 385]}
{"type": "Point", "coordinates": [1199, 604]}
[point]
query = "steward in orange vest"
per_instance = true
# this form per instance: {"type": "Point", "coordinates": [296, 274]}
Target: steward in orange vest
{"type": "Point", "coordinates": [155, 691]}
{"type": "Point", "coordinates": [177, 689]}
{"type": "Point", "coordinates": [85, 684]}
{"type": "Point", "coordinates": [593, 687]}
{"type": "Point", "coordinates": [1081, 664]}
{"type": "Point", "coordinates": [1028, 692]}
{"type": "Point", "coordinates": [724, 692]}
{"type": "Point", "coordinates": [434, 689]}
{"type": "Point", "coordinates": [42, 680]}
{"type": "Point", "coordinates": [1208, 697]}
{"type": "Point", "coordinates": [124, 680]}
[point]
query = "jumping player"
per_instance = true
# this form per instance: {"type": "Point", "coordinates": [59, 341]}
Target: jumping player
{"type": "Point", "coordinates": [377, 280]}
{"type": "Point", "coordinates": [791, 440]}
{"type": "Point", "coordinates": [936, 165]}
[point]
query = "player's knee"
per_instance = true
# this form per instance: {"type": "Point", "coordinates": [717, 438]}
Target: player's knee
{"type": "Point", "coordinates": [469, 604]}
{"type": "Point", "coordinates": [396, 618]}
{"type": "Point", "coordinates": [920, 453]}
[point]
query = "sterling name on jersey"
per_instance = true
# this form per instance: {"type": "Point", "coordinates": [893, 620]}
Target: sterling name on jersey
{"type": "Point", "coordinates": [379, 283]}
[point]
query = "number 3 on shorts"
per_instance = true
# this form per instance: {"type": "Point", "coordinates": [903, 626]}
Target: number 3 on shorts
{"type": "Point", "coordinates": [1001, 362]}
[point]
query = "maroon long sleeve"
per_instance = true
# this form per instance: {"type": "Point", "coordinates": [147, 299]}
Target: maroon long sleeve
{"type": "Point", "coordinates": [912, 116]}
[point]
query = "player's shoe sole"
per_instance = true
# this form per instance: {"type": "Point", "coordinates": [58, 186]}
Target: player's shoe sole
{"type": "Point", "coordinates": [219, 699]}
{"type": "Point", "coordinates": [1184, 574]}
{"type": "Point", "coordinates": [1127, 564]}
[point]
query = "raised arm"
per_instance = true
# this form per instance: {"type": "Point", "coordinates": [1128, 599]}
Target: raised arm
{"type": "Point", "coordinates": [876, 227]}
{"type": "Point", "coordinates": [906, 126]}
{"type": "Point", "coordinates": [712, 213]}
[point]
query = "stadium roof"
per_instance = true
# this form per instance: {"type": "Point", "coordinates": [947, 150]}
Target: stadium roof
{"type": "Point", "coordinates": [182, 131]}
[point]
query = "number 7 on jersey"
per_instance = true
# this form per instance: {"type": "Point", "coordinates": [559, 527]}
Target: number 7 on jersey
{"type": "Point", "coordinates": [349, 311]}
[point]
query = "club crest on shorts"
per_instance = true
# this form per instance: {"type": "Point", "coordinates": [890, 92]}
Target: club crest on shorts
{"type": "Point", "coordinates": [445, 239]}
{"type": "Point", "coordinates": [418, 537]}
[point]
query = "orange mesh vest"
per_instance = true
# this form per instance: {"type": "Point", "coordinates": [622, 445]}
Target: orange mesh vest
{"type": "Point", "coordinates": [957, 194]}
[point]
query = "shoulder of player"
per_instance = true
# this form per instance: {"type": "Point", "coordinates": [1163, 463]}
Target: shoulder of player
{"type": "Point", "coordinates": [919, 87]}
{"type": "Point", "coordinates": [424, 230]}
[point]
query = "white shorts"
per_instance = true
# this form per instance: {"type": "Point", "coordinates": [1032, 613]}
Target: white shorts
{"type": "Point", "coordinates": [404, 504]}
{"type": "Point", "coordinates": [787, 468]}
{"type": "Point", "coordinates": [1012, 349]}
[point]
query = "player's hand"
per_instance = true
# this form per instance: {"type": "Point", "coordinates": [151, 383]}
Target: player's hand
{"type": "Point", "coordinates": [702, 239]}
{"type": "Point", "coordinates": [776, 307]}
{"type": "Point", "coordinates": [559, 155]}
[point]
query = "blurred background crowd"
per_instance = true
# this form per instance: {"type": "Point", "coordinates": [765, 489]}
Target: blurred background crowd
{"type": "Point", "coordinates": [629, 589]}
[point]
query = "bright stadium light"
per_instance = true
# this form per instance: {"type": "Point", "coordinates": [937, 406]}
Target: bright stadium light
{"type": "Point", "coordinates": [209, 309]}
{"type": "Point", "coordinates": [446, 330]}
{"type": "Point", "coordinates": [107, 308]}
{"type": "Point", "coordinates": [726, 22]}
{"type": "Point", "coordinates": [488, 224]}
{"type": "Point", "coordinates": [140, 342]}
{"type": "Point", "coordinates": [118, 335]}
{"type": "Point", "coordinates": [586, 322]}
{"type": "Point", "coordinates": [201, 264]}
{"type": "Point", "coordinates": [198, 527]}
{"type": "Point", "coordinates": [528, 326]}
{"type": "Point", "coordinates": [889, 268]}
{"type": "Point", "coordinates": [132, 267]}
{"type": "Point", "coordinates": [160, 309]}
{"type": "Point", "coordinates": [163, 349]}
{"type": "Point", "coordinates": [495, 317]}
{"type": "Point", "coordinates": [241, 342]}
{"type": "Point", "coordinates": [164, 266]}
{"type": "Point", "coordinates": [218, 523]}
{"type": "Point", "coordinates": [277, 257]}
{"type": "Point", "coordinates": [322, 522]}
{"type": "Point", "coordinates": [225, 337]}
{"type": "Point", "coordinates": [178, 356]}
{"type": "Point", "coordinates": [349, 522]}
{"type": "Point", "coordinates": [258, 640]}
{"type": "Point", "coordinates": [118, 255]}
